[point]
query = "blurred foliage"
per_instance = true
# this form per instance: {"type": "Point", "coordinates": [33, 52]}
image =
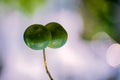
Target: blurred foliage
{"type": "Point", "coordinates": [26, 6]}
{"type": "Point", "coordinates": [100, 16]}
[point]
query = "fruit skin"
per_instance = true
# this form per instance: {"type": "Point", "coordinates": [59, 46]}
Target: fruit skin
{"type": "Point", "coordinates": [37, 37]}
{"type": "Point", "coordinates": [59, 35]}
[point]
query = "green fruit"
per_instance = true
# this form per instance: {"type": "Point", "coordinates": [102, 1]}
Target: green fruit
{"type": "Point", "coordinates": [59, 35]}
{"type": "Point", "coordinates": [37, 37]}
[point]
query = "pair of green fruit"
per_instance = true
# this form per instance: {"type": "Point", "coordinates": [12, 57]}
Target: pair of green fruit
{"type": "Point", "coordinates": [39, 37]}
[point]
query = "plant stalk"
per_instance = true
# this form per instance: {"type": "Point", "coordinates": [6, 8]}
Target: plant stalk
{"type": "Point", "coordinates": [45, 64]}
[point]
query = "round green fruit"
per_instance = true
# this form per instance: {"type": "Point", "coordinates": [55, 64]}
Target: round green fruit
{"type": "Point", "coordinates": [37, 37]}
{"type": "Point", "coordinates": [59, 35]}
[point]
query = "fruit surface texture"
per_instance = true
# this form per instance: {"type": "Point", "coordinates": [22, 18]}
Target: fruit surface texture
{"type": "Point", "coordinates": [37, 37]}
{"type": "Point", "coordinates": [59, 35]}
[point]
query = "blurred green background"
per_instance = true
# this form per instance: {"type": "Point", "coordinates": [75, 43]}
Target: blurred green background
{"type": "Point", "coordinates": [92, 26]}
{"type": "Point", "coordinates": [24, 6]}
{"type": "Point", "coordinates": [101, 16]}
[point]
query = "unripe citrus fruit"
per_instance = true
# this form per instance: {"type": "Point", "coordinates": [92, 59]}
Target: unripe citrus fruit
{"type": "Point", "coordinates": [37, 37]}
{"type": "Point", "coordinates": [59, 35]}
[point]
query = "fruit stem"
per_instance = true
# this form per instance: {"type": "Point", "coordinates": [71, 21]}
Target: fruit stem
{"type": "Point", "coordinates": [45, 64]}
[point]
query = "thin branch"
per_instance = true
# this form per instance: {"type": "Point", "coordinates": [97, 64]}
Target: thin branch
{"type": "Point", "coordinates": [45, 64]}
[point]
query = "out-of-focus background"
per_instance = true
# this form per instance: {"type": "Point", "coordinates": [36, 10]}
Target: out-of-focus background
{"type": "Point", "coordinates": [91, 53]}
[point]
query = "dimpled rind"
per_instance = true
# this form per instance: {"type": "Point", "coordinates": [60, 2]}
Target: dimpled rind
{"type": "Point", "coordinates": [59, 35]}
{"type": "Point", "coordinates": [37, 37]}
